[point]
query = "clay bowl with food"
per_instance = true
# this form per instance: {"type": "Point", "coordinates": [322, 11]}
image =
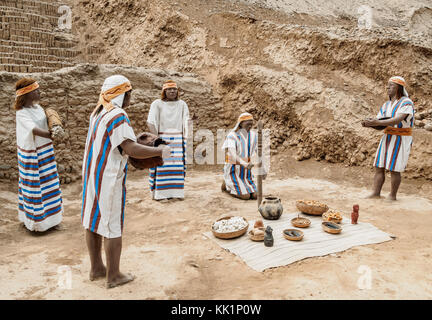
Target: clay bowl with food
{"type": "Point", "coordinates": [293, 234]}
{"type": "Point", "coordinates": [332, 216]}
{"type": "Point", "coordinates": [257, 234]}
{"type": "Point", "coordinates": [223, 229]}
{"type": "Point", "coordinates": [311, 207]}
{"type": "Point", "coordinates": [300, 222]}
{"type": "Point", "coordinates": [331, 227]}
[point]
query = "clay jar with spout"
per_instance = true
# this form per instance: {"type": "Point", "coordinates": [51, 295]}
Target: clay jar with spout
{"type": "Point", "coordinates": [271, 208]}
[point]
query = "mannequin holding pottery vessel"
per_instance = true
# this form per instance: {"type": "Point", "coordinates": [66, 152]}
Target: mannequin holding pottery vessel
{"type": "Point", "coordinates": [396, 118]}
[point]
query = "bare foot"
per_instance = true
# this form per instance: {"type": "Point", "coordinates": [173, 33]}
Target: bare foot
{"type": "Point", "coordinates": [373, 196]}
{"type": "Point", "coordinates": [223, 187]}
{"type": "Point", "coordinates": [120, 280]}
{"type": "Point", "coordinates": [242, 197]}
{"type": "Point", "coordinates": [59, 227]}
{"type": "Point", "coordinates": [391, 197]}
{"type": "Point", "coordinates": [97, 274]}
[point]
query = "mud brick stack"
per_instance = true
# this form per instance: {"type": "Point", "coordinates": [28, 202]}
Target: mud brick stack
{"type": "Point", "coordinates": [30, 37]}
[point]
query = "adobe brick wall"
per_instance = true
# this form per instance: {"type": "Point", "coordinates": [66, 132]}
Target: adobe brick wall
{"type": "Point", "coordinates": [30, 40]}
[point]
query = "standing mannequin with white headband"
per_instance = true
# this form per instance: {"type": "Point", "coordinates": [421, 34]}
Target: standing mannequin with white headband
{"type": "Point", "coordinates": [395, 145]}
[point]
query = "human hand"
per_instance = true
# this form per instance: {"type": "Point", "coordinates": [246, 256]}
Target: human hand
{"type": "Point", "coordinates": [370, 123]}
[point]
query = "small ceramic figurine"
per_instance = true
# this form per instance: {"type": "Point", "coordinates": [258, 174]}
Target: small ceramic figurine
{"type": "Point", "coordinates": [355, 214]}
{"type": "Point", "coordinates": [268, 238]}
{"type": "Point", "coordinates": [259, 224]}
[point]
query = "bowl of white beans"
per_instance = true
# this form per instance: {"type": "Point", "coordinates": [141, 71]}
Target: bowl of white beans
{"type": "Point", "coordinates": [230, 227]}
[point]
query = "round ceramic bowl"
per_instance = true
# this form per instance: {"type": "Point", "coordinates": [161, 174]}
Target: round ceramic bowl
{"type": "Point", "coordinates": [331, 227]}
{"type": "Point", "coordinates": [255, 237]}
{"type": "Point", "coordinates": [293, 234]}
{"type": "Point", "coordinates": [332, 216]}
{"type": "Point", "coordinates": [300, 222]}
{"type": "Point", "coordinates": [230, 235]}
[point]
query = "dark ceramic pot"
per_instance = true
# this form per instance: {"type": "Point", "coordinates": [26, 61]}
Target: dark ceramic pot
{"type": "Point", "coordinates": [271, 208]}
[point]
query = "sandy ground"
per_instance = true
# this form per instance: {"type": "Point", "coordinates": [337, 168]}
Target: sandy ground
{"type": "Point", "coordinates": [164, 246]}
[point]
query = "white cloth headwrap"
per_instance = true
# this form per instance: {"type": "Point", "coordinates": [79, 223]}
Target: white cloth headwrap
{"type": "Point", "coordinates": [112, 82]}
{"type": "Point", "coordinates": [245, 114]}
{"type": "Point", "coordinates": [238, 121]}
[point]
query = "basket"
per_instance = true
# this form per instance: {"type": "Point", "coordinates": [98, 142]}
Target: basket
{"type": "Point", "coordinates": [53, 118]}
{"type": "Point", "coordinates": [332, 216]}
{"type": "Point", "coordinates": [230, 235]}
{"type": "Point", "coordinates": [331, 227]}
{"type": "Point", "coordinates": [311, 207]}
{"type": "Point", "coordinates": [293, 234]}
{"type": "Point", "coordinates": [300, 222]}
{"type": "Point", "coordinates": [256, 237]}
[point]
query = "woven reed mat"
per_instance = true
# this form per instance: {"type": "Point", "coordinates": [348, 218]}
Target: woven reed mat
{"type": "Point", "coordinates": [315, 242]}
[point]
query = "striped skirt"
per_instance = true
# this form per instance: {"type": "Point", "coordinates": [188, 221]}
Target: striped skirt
{"type": "Point", "coordinates": [39, 195]}
{"type": "Point", "coordinates": [167, 181]}
{"type": "Point", "coordinates": [393, 152]}
{"type": "Point", "coordinates": [239, 180]}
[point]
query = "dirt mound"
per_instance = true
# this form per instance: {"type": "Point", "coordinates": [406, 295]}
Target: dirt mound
{"type": "Point", "coordinates": [421, 21]}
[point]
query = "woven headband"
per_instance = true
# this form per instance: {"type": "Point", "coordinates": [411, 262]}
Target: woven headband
{"type": "Point", "coordinates": [245, 118]}
{"type": "Point", "coordinates": [106, 96]}
{"type": "Point", "coordinates": [110, 94]}
{"type": "Point", "coordinates": [25, 90]}
{"type": "Point", "coordinates": [169, 85]}
{"type": "Point", "coordinates": [398, 81]}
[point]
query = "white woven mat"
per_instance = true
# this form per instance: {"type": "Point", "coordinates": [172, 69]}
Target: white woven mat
{"type": "Point", "coordinates": [315, 242]}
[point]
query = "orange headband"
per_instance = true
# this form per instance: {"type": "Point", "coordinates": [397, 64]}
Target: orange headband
{"type": "Point", "coordinates": [110, 94]}
{"type": "Point", "coordinates": [245, 118]}
{"type": "Point", "coordinates": [25, 90]}
{"type": "Point", "coordinates": [169, 85]}
{"type": "Point", "coordinates": [106, 96]}
{"type": "Point", "coordinates": [398, 81]}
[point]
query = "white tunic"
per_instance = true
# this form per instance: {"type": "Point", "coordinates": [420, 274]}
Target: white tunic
{"type": "Point", "coordinates": [104, 173]}
{"type": "Point", "coordinates": [170, 120]}
{"type": "Point", "coordinates": [39, 200]}
{"type": "Point", "coordinates": [393, 151]}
